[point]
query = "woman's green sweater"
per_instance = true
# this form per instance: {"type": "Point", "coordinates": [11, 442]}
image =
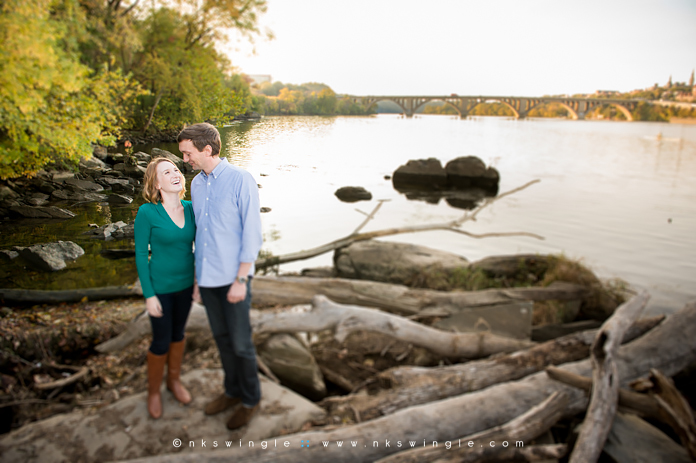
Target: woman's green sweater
{"type": "Point", "coordinates": [170, 268]}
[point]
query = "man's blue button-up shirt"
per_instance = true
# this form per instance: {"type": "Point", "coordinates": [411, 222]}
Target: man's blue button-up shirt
{"type": "Point", "coordinates": [228, 223]}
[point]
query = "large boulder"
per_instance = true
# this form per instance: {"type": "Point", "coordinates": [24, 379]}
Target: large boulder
{"type": "Point", "coordinates": [351, 194]}
{"type": "Point", "coordinates": [468, 171]}
{"type": "Point", "coordinates": [514, 266]}
{"type": "Point", "coordinates": [391, 262]}
{"type": "Point", "coordinates": [293, 363]}
{"type": "Point", "coordinates": [52, 256]}
{"type": "Point", "coordinates": [123, 430]}
{"type": "Point", "coordinates": [426, 173]}
{"type": "Point", "coordinates": [159, 153]}
{"type": "Point", "coordinates": [7, 193]}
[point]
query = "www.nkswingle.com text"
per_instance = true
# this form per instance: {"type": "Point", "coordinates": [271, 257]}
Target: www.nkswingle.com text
{"type": "Point", "coordinates": [200, 444]}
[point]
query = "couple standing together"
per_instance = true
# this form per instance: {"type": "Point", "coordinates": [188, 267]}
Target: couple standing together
{"type": "Point", "coordinates": [223, 219]}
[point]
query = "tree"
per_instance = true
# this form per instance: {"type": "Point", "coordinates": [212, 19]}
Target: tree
{"type": "Point", "coordinates": [52, 107]}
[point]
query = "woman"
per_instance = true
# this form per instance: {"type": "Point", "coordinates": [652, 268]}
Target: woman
{"type": "Point", "coordinates": [165, 224]}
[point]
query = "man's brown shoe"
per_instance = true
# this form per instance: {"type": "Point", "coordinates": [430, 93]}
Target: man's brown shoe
{"type": "Point", "coordinates": [221, 404]}
{"type": "Point", "coordinates": [242, 416]}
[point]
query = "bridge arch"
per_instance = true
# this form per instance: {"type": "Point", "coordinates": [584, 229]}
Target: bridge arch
{"type": "Point", "coordinates": [539, 103]}
{"type": "Point", "coordinates": [480, 101]}
{"type": "Point", "coordinates": [447, 101]}
{"type": "Point", "coordinates": [621, 108]}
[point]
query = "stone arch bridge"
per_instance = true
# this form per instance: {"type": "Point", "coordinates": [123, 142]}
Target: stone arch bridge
{"type": "Point", "coordinates": [520, 106]}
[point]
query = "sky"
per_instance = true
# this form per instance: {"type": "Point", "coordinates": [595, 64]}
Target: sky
{"type": "Point", "coordinates": [473, 47]}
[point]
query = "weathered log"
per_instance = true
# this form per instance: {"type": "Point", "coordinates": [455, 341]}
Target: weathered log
{"type": "Point", "coordinates": [529, 425]}
{"type": "Point", "coordinates": [675, 410]}
{"type": "Point", "coordinates": [664, 402]}
{"type": "Point", "coordinates": [35, 296]}
{"type": "Point", "coordinates": [605, 380]}
{"type": "Point", "coordinates": [346, 319]}
{"type": "Point", "coordinates": [407, 386]}
{"type": "Point", "coordinates": [468, 413]}
{"type": "Point", "coordinates": [642, 404]}
{"type": "Point", "coordinates": [397, 298]}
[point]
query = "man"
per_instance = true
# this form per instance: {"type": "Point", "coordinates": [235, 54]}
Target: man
{"type": "Point", "coordinates": [228, 239]}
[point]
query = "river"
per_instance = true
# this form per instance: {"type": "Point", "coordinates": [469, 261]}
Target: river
{"type": "Point", "coordinates": [621, 196]}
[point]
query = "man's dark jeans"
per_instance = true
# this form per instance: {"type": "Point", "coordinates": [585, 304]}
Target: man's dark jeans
{"type": "Point", "coordinates": [232, 331]}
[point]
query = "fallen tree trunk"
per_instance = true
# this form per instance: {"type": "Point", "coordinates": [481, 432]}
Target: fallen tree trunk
{"type": "Point", "coordinates": [605, 380]}
{"type": "Point", "coordinates": [346, 319]}
{"type": "Point", "coordinates": [268, 291]}
{"type": "Point", "coordinates": [529, 425]}
{"type": "Point", "coordinates": [669, 347]}
{"type": "Point", "coordinates": [407, 386]}
{"type": "Point", "coordinates": [35, 296]}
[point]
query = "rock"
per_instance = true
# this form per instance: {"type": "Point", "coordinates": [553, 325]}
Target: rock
{"type": "Point", "coordinates": [119, 199]}
{"type": "Point", "coordinates": [37, 199]}
{"type": "Point", "coordinates": [7, 193]}
{"type": "Point", "coordinates": [391, 262]}
{"type": "Point", "coordinates": [7, 255]}
{"type": "Point", "coordinates": [513, 319]}
{"type": "Point", "coordinates": [351, 194]}
{"type": "Point", "coordinates": [123, 187]}
{"type": "Point", "coordinates": [124, 232]}
{"type": "Point", "coordinates": [319, 272]}
{"type": "Point", "coordinates": [422, 172]}
{"type": "Point", "coordinates": [293, 363]}
{"type": "Point", "coordinates": [183, 167]}
{"type": "Point", "coordinates": [60, 195]}
{"type": "Point", "coordinates": [120, 167]}
{"type": "Point", "coordinates": [134, 171]}
{"type": "Point", "coordinates": [30, 212]}
{"type": "Point", "coordinates": [469, 171]}
{"type": "Point", "coordinates": [57, 212]}
{"type": "Point", "coordinates": [517, 266]}
{"type": "Point", "coordinates": [100, 152]}
{"type": "Point", "coordinates": [84, 185]}
{"type": "Point", "coordinates": [61, 177]}
{"type": "Point", "coordinates": [142, 157]}
{"type": "Point", "coordinates": [45, 187]}
{"type": "Point", "coordinates": [116, 158]}
{"type": "Point", "coordinates": [123, 430]}
{"type": "Point", "coordinates": [387, 177]}
{"type": "Point", "coordinates": [93, 163]}
{"type": "Point", "coordinates": [51, 256]}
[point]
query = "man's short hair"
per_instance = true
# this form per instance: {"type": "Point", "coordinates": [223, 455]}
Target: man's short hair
{"type": "Point", "coordinates": [201, 135]}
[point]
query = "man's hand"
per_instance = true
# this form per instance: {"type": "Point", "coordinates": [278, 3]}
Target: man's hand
{"type": "Point", "coordinates": [154, 308]}
{"type": "Point", "coordinates": [237, 292]}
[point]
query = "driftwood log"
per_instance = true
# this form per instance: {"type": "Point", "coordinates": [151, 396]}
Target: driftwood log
{"type": "Point", "coordinates": [669, 347]}
{"type": "Point", "coordinates": [408, 385]}
{"type": "Point", "coordinates": [397, 298]}
{"type": "Point", "coordinates": [605, 380]}
{"type": "Point", "coordinates": [337, 317]}
{"type": "Point", "coordinates": [530, 425]}
{"type": "Point", "coordinates": [346, 319]}
{"type": "Point", "coordinates": [35, 296]}
{"type": "Point", "coordinates": [663, 402]}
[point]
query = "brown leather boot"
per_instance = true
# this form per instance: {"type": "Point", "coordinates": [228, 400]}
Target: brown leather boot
{"type": "Point", "coordinates": [155, 371]}
{"type": "Point", "coordinates": [242, 416]}
{"type": "Point", "coordinates": [176, 355]}
{"type": "Point", "coordinates": [221, 403]}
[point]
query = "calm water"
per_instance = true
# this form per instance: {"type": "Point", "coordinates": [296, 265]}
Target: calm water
{"type": "Point", "coordinates": [619, 196]}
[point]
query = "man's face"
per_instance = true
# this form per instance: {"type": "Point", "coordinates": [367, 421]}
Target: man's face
{"type": "Point", "coordinates": [191, 154]}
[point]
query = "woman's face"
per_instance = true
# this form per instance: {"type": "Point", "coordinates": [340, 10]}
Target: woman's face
{"type": "Point", "coordinates": [169, 179]}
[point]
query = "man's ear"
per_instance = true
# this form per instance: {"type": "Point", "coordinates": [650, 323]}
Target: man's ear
{"type": "Point", "coordinates": [208, 150]}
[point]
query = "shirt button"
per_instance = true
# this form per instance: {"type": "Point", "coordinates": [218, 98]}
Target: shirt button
{"type": "Point", "coordinates": [205, 244]}
{"type": "Point", "coordinates": [206, 213]}
{"type": "Point", "coordinates": [205, 229]}
{"type": "Point", "coordinates": [206, 199]}
{"type": "Point", "coordinates": [204, 259]}
{"type": "Point", "coordinates": [208, 183]}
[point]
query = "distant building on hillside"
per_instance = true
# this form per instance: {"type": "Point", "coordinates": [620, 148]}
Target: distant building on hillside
{"type": "Point", "coordinates": [606, 93]}
{"type": "Point", "coordinates": [257, 79]}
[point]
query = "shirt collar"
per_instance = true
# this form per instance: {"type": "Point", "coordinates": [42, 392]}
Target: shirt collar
{"type": "Point", "coordinates": [222, 165]}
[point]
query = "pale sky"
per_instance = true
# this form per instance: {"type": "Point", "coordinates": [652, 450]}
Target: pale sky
{"type": "Point", "coordinates": [494, 47]}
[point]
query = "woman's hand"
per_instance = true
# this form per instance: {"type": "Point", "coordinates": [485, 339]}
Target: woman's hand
{"type": "Point", "coordinates": [196, 293]}
{"type": "Point", "coordinates": [154, 308]}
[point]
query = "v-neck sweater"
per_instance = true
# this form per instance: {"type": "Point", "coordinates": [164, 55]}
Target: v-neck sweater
{"type": "Point", "coordinates": [170, 266]}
